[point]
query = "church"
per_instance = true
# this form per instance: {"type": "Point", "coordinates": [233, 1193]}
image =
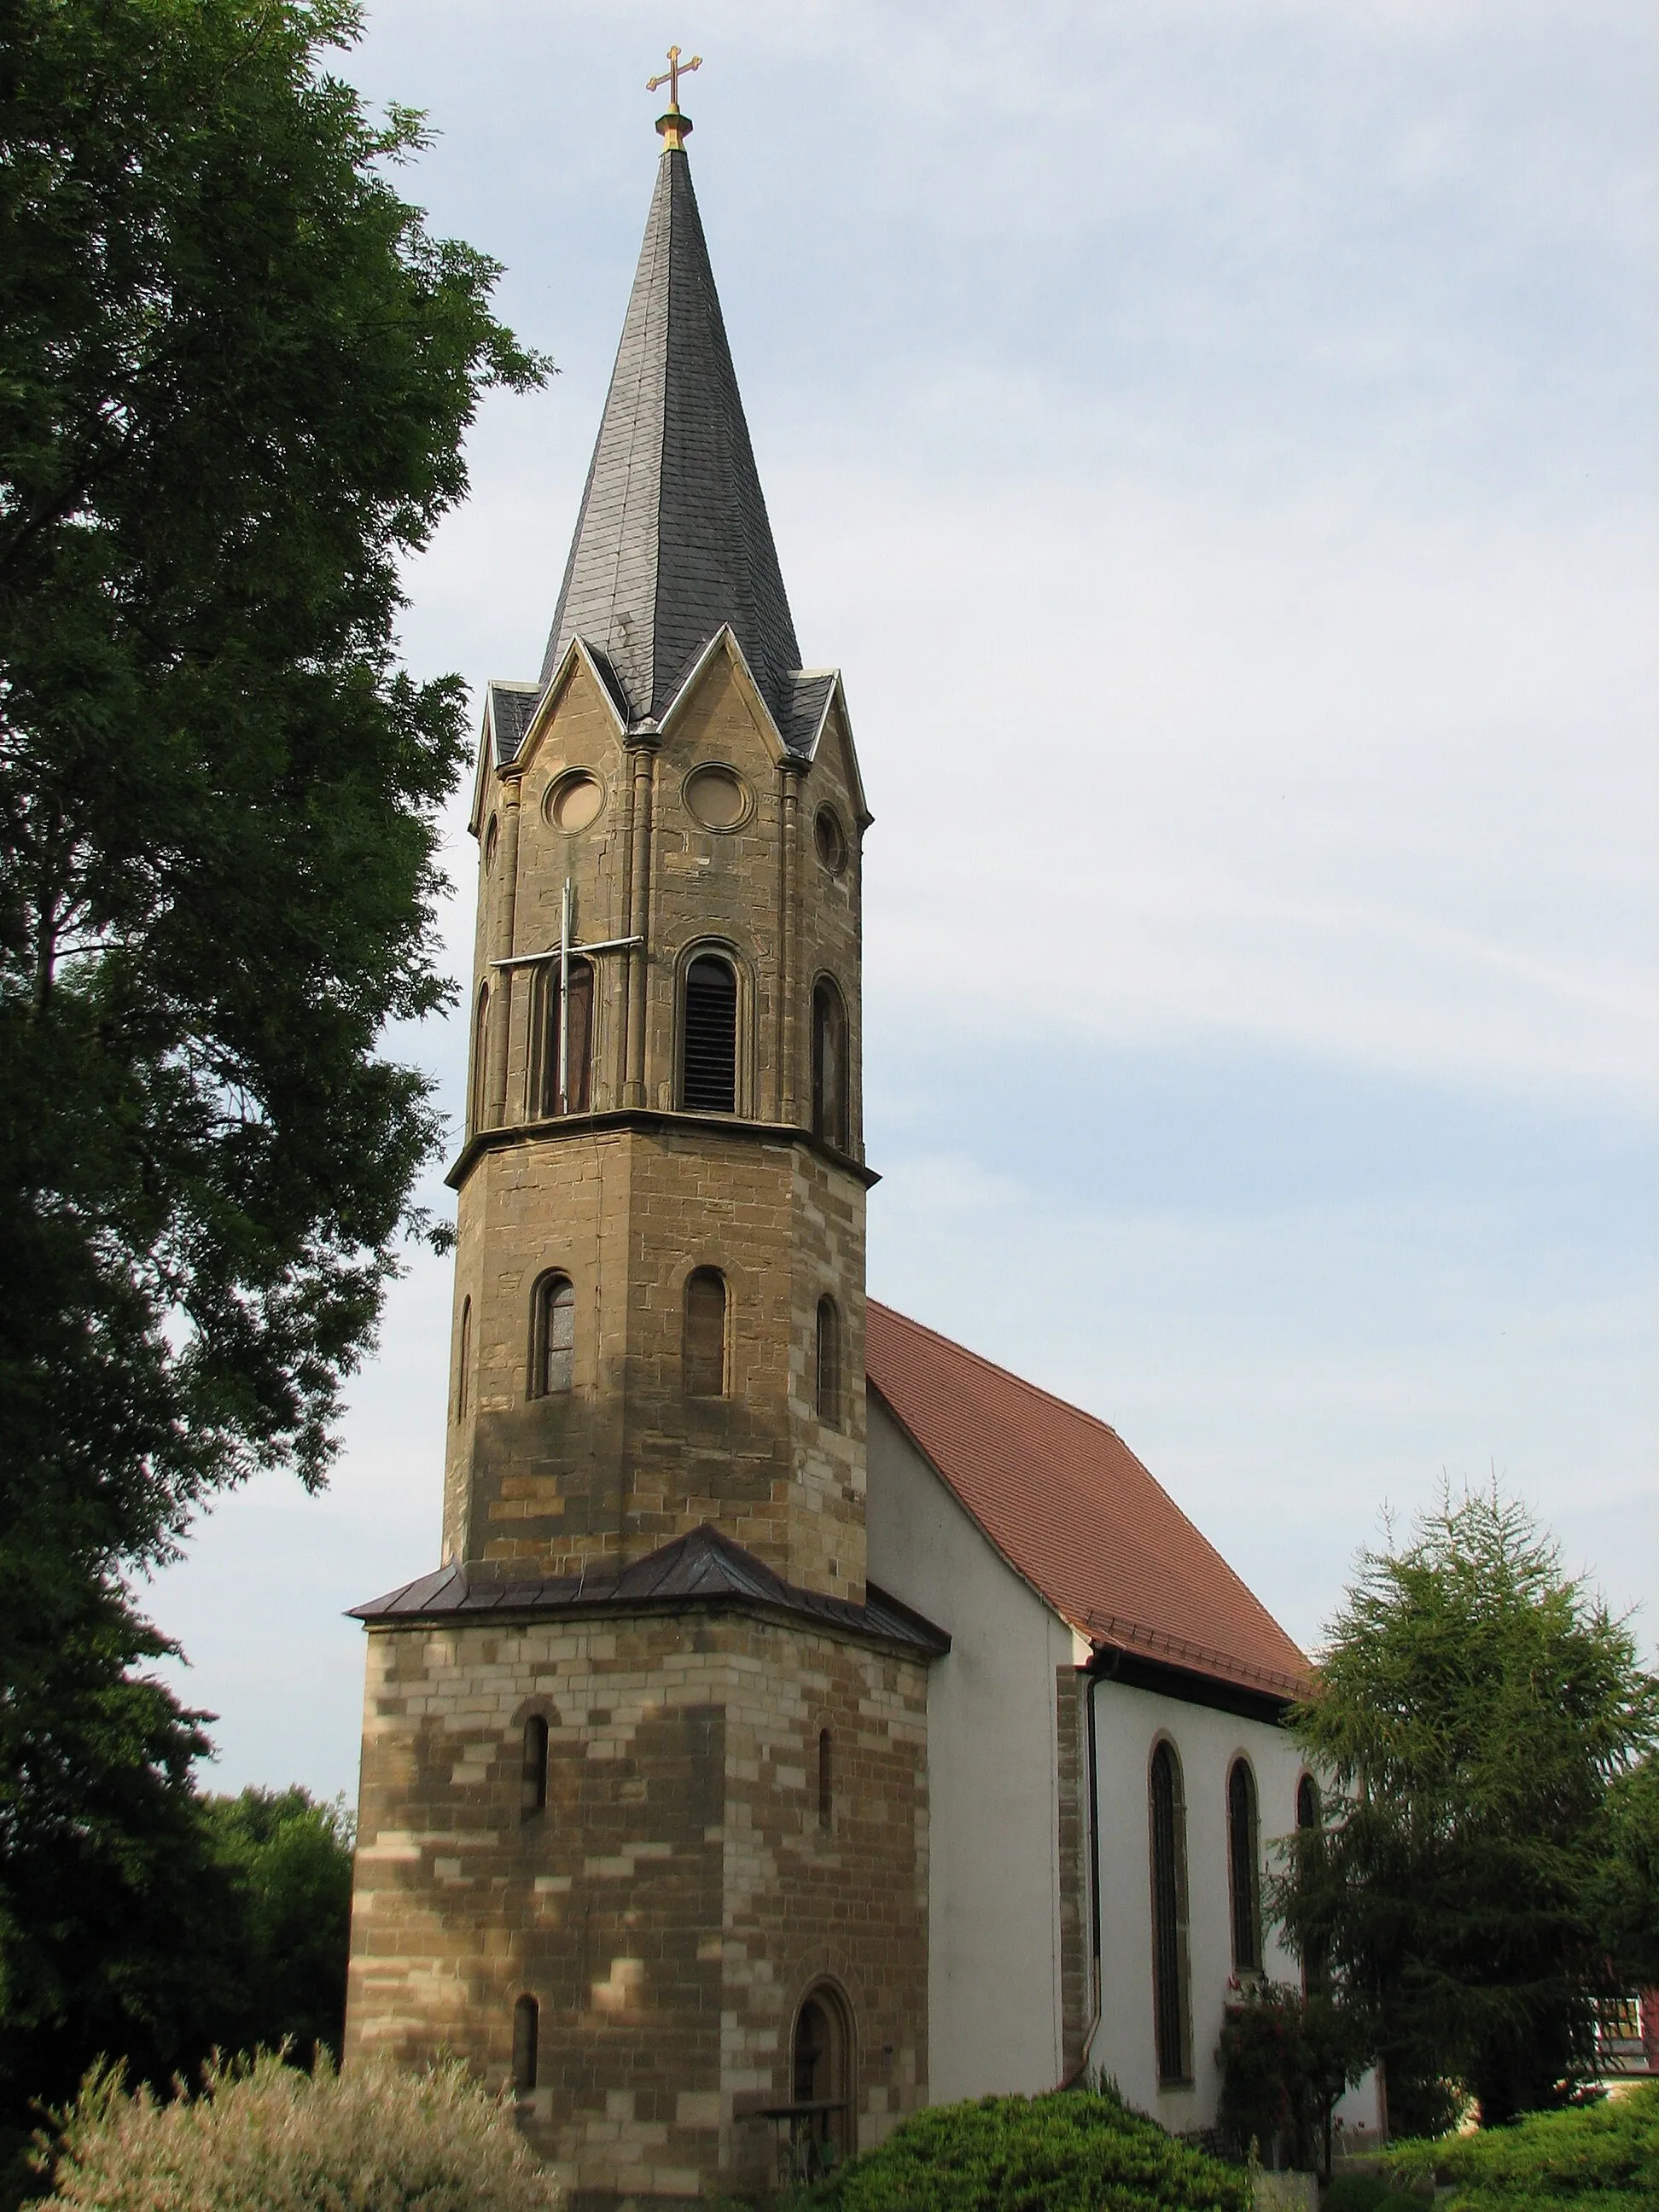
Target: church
{"type": "Point", "coordinates": [808, 1719]}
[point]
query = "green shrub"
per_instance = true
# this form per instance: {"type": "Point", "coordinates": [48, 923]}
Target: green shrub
{"type": "Point", "coordinates": [264, 2137]}
{"type": "Point", "coordinates": [1369, 2192]}
{"type": "Point", "coordinates": [1076, 2151]}
{"type": "Point", "coordinates": [1603, 2158]}
{"type": "Point", "coordinates": [1285, 2057]}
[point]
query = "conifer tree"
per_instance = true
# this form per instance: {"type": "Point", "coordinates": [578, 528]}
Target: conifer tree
{"type": "Point", "coordinates": [1480, 1711]}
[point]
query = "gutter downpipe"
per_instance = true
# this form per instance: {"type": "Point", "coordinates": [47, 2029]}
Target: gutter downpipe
{"type": "Point", "coordinates": [1102, 1667]}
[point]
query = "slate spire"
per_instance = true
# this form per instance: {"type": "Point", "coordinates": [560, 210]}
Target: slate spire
{"type": "Point", "coordinates": [672, 540]}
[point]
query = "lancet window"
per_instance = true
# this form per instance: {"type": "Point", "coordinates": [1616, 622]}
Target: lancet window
{"type": "Point", "coordinates": [553, 1337]}
{"type": "Point", "coordinates": [1243, 1875]}
{"type": "Point", "coordinates": [533, 1797]}
{"type": "Point", "coordinates": [574, 1095]}
{"type": "Point", "coordinates": [1171, 2012]}
{"type": "Point", "coordinates": [828, 1363]}
{"type": "Point", "coordinates": [526, 2034]}
{"type": "Point", "coordinates": [703, 1362]}
{"type": "Point", "coordinates": [480, 1057]}
{"type": "Point", "coordinates": [829, 1115]}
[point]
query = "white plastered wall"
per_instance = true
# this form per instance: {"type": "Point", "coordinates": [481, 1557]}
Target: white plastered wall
{"type": "Point", "coordinates": [1128, 1723]}
{"type": "Point", "coordinates": [993, 1919]}
{"type": "Point", "coordinates": [993, 1971]}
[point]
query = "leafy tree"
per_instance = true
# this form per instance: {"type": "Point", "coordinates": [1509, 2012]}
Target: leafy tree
{"type": "Point", "coordinates": [235, 372]}
{"type": "Point", "coordinates": [286, 1939]}
{"type": "Point", "coordinates": [1480, 1709]}
{"type": "Point", "coordinates": [1286, 2056]}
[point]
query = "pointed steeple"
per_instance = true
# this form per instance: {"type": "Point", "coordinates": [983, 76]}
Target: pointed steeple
{"type": "Point", "coordinates": [673, 537]}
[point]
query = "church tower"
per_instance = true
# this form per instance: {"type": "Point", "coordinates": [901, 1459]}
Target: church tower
{"type": "Point", "coordinates": [643, 1827]}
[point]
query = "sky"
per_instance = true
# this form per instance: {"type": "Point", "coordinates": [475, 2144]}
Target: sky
{"type": "Point", "coordinates": [1217, 443]}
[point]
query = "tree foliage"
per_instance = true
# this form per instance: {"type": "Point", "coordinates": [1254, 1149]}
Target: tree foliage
{"type": "Point", "coordinates": [235, 371]}
{"type": "Point", "coordinates": [283, 1946]}
{"type": "Point", "coordinates": [1481, 1710]}
{"type": "Point", "coordinates": [157, 1926]}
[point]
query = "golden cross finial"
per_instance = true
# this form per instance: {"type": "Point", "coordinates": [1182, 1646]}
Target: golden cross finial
{"type": "Point", "coordinates": [673, 126]}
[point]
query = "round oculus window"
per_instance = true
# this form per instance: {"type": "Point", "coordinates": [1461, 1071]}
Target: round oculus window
{"type": "Point", "coordinates": [830, 839]}
{"type": "Point", "coordinates": [576, 802]}
{"type": "Point", "coordinates": [717, 797]}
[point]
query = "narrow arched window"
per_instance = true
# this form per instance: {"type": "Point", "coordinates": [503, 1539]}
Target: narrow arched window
{"type": "Point", "coordinates": [826, 1779]}
{"type": "Point", "coordinates": [703, 1360]}
{"type": "Point", "coordinates": [552, 1336]}
{"type": "Point", "coordinates": [1307, 1802]}
{"type": "Point", "coordinates": [1243, 1878]}
{"type": "Point", "coordinates": [464, 1360]}
{"type": "Point", "coordinates": [480, 1057]}
{"type": "Point", "coordinates": [708, 1062]}
{"type": "Point", "coordinates": [829, 1065]}
{"type": "Point", "coordinates": [1307, 1822]}
{"type": "Point", "coordinates": [526, 2034]}
{"type": "Point", "coordinates": [533, 1797]}
{"type": "Point", "coordinates": [1169, 1854]}
{"type": "Point", "coordinates": [573, 1093]}
{"type": "Point", "coordinates": [828, 1363]}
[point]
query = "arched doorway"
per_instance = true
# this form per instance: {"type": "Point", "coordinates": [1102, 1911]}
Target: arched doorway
{"type": "Point", "coordinates": [821, 2084]}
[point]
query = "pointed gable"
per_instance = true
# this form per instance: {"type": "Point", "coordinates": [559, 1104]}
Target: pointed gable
{"type": "Point", "coordinates": [673, 537]}
{"type": "Point", "coordinates": [1071, 1509]}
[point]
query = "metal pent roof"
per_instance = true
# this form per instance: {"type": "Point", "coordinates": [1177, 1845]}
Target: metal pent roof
{"type": "Point", "coordinates": [1071, 1509]}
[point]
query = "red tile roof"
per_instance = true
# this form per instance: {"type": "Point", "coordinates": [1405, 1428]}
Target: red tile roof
{"type": "Point", "coordinates": [1072, 1509]}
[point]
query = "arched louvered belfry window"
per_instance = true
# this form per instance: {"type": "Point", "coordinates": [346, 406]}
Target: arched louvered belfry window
{"type": "Point", "coordinates": [533, 1797]}
{"type": "Point", "coordinates": [1243, 1865]}
{"type": "Point", "coordinates": [480, 1057]}
{"type": "Point", "coordinates": [829, 1065]}
{"type": "Point", "coordinates": [1308, 1819]}
{"type": "Point", "coordinates": [553, 1336]}
{"type": "Point", "coordinates": [709, 1048]}
{"type": "Point", "coordinates": [828, 1363]}
{"type": "Point", "coordinates": [576, 1096]}
{"type": "Point", "coordinates": [703, 1363]}
{"type": "Point", "coordinates": [526, 2034]}
{"type": "Point", "coordinates": [1170, 2014]}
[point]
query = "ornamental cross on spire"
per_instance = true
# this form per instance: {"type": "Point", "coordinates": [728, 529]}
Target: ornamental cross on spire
{"type": "Point", "coordinates": [671, 77]}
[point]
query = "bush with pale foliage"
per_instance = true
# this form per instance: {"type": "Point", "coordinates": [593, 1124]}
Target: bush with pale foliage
{"type": "Point", "coordinates": [263, 2137]}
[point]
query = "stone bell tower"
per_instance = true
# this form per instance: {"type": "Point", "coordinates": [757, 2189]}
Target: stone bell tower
{"type": "Point", "coordinates": [643, 1822]}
